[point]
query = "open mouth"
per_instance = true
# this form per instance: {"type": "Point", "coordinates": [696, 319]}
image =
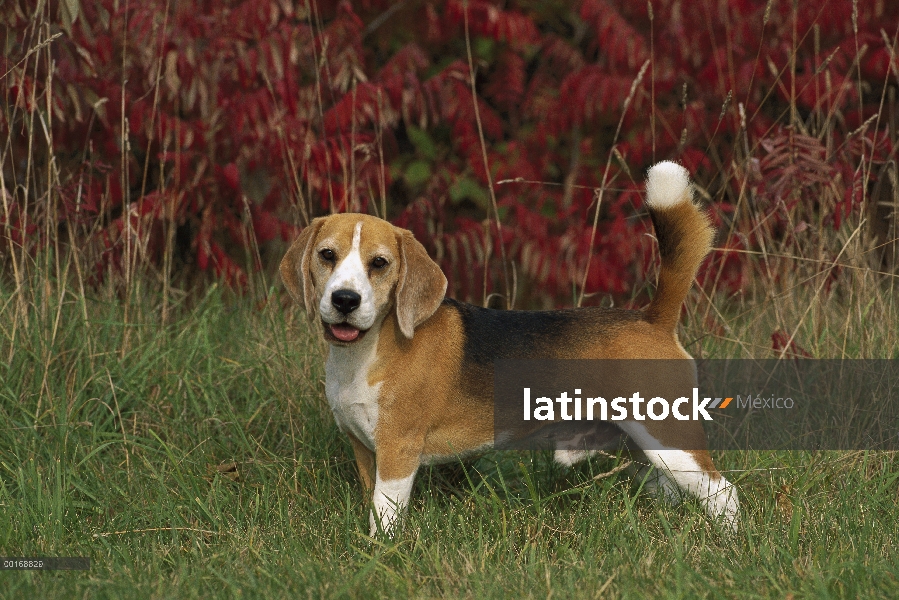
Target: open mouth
{"type": "Point", "coordinates": [342, 332]}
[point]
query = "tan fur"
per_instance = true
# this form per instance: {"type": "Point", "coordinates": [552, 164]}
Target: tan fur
{"type": "Point", "coordinates": [365, 462]}
{"type": "Point", "coordinates": [295, 271]}
{"type": "Point", "coordinates": [427, 408]}
{"type": "Point", "coordinates": [424, 399]}
{"type": "Point", "coordinates": [336, 231]}
{"type": "Point", "coordinates": [691, 235]}
{"type": "Point", "coordinates": [420, 287]}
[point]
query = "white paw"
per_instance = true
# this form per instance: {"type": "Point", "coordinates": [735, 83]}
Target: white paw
{"type": "Point", "coordinates": [568, 458]}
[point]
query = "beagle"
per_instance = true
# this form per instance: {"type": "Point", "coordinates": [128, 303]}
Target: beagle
{"type": "Point", "coordinates": [409, 373]}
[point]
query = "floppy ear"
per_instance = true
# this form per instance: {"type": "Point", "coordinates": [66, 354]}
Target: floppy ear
{"type": "Point", "coordinates": [295, 267]}
{"type": "Point", "coordinates": [421, 284]}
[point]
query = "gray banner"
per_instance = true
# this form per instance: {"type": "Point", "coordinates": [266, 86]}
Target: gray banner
{"type": "Point", "coordinates": [738, 403]}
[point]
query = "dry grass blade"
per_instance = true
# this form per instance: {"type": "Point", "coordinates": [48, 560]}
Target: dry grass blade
{"type": "Point", "coordinates": [509, 292]}
{"type": "Point", "coordinates": [598, 194]}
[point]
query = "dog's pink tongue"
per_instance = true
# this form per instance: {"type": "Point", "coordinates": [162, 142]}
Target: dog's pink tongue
{"type": "Point", "coordinates": [344, 332]}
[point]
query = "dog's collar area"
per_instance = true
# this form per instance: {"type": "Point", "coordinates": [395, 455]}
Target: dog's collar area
{"type": "Point", "coordinates": [343, 333]}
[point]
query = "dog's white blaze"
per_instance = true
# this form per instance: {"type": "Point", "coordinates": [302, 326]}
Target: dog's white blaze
{"type": "Point", "coordinates": [667, 184]}
{"type": "Point", "coordinates": [717, 495]}
{"type": "Point", "coordinates": [352, 400]}
{"type": "Point", "coordinates": [350, 274]}
{"type": "Point", "coordinates": [390, 500]}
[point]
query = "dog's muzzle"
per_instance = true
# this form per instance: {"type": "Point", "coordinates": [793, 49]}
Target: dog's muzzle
{"type": "Point", "coordinates": [345, 302]}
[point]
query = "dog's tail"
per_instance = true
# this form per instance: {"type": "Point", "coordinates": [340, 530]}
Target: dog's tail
{"type": "Point", "coordinates": [684, 235]}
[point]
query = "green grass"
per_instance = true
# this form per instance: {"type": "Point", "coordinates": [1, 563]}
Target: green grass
{"type": "Point", "coordinates": [199, 460]}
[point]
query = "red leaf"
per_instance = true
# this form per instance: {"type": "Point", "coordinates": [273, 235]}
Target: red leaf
{"type": "Point", "coordinates": [232, 177]}
{"type": "Point", "coordinates": [779, 341]}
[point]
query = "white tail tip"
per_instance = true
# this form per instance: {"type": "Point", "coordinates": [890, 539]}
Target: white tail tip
{"type": "Point", "coordinates": [667, 184]}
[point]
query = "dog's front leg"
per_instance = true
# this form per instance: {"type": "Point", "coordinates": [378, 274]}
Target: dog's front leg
{"type": "Point", "coordinates": [393, 486]}
{"type": "Point", "coordinates": [365, 462]}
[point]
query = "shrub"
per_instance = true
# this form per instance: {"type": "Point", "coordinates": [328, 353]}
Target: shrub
{"type": "Point", "coordinates": [188, 137]}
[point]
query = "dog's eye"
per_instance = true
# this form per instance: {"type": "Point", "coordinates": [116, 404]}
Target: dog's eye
{"type": "Point", "coordinates": [327, 254]}
{"type": "Point", "coordinates": [379, 262]}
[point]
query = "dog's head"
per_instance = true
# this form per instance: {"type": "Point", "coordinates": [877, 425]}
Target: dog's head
{"type": "Point", "coordinates": [353, 269]}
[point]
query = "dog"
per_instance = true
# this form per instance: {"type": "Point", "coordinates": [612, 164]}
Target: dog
{"type": "Point", "coordinates": [405, 375]}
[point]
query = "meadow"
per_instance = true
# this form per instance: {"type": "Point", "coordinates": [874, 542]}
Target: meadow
{"type": "Point", "coordinates": [198, 458]}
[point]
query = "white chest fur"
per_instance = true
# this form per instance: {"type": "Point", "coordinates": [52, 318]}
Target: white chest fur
{"type": "Point", "coordinates": [353, 401]}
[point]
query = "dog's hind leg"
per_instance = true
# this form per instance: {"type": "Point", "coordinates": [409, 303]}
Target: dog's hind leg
{"type": "Point", "coordinates": [568, 458]}
{"type": "Point", "coordinates": [693, 472]}
{"type": "Point", "coordinates": [652, 480]}
{"type": "Point", "coordinates": [581, 446]}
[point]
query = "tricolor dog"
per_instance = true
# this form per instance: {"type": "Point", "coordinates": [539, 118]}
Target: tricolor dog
{"type": "Point", "coordinates": [409, 374]}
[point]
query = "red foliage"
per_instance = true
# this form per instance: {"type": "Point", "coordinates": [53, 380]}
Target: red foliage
{"type": "Point", "coordinates": [779, 341]}
{"type": "Point", "coordinates": [235, 121]}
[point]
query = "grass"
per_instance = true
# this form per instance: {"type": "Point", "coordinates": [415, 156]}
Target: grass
{"type": "Point", "coordinates": [199, 459]}
{"type": "Point", "coordinates": [183, 443]}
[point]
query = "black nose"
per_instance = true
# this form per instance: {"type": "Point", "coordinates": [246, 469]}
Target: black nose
{"type": "Point", "coordinates": [346, 301]}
